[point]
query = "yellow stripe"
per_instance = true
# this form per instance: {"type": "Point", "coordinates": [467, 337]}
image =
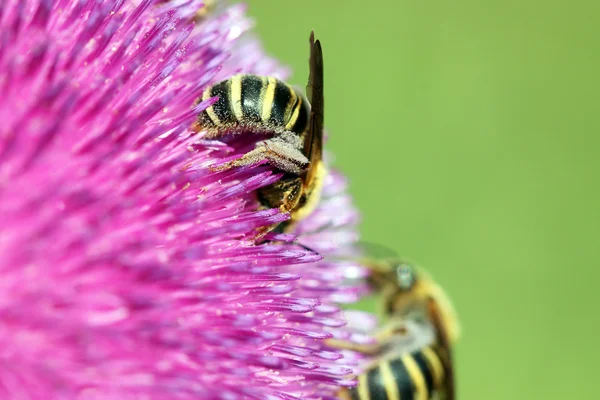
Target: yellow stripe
{"type": "Point", "coordinates": [289, 107]}
{"type": "Point", "coordinates": [210, 110]}
{"type": "Point", "coordinates": [416, 377]}
{"type": "Point", "coordinates": [389, 382]}
{"type": "Point", "coordinates": [267, 103]}
{"type": "Point", "coordinates": [435, 364]}
{"type": "Point", "coordinates": [363, 387]}
{"type": "Point", "coordinates": [236, 96]}
{"type": "Point", "coordinates": [295, 114]}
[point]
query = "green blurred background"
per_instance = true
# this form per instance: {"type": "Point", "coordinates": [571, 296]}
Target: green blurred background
{"type": "Point", "coordinates": [469, 132]}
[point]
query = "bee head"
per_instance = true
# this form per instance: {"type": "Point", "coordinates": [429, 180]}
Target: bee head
{"type": "Point", "coordinates": [409, 292]}
{"type": "Point", "coordinates": [404, 294]}
{"type": "Point", "coordinates": [396, 281]}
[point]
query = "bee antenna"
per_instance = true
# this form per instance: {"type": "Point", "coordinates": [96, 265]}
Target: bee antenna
{"type": "Point", "coordinates": [306, 247]}
{"type": "Point", "coordinates": [292, 242]}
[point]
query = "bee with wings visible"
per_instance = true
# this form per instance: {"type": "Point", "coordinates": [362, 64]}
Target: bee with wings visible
{"type": "Point", "coordinates": [425, 372]}
{"type": "Point", "coordinates": [267, 106]}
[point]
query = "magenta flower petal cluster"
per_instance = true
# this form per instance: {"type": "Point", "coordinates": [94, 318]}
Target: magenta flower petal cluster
{"type": "Point", "coordinates": [128, 269]}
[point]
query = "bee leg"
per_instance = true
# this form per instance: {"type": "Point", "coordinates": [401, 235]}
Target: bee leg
{"type": "Point", "coordinates": [381, 336]}
{"type": "Point", "coordinates": [280, 151]}
{"type": "Point", "coordinates": [283, 194]}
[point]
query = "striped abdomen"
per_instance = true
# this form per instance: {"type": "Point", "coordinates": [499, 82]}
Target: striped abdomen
{"type": "Point", "coordinates": [255, 103]}
{"type": "Point", "coordinates": [412, 376]}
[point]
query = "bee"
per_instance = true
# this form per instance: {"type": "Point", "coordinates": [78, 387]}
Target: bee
{"type": "Point", "coordinates": [398, 373]}
{"type": "Point", "coordinates": [203, 12]}
{"type": "Point", "coordinates": [207, 8]}
{"type": "Point", "coordinates": [293, 124]}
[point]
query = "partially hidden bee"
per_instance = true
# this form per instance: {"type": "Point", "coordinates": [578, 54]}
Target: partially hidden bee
{"type": "Point", "coordinates": [201, 13]}
{"type": "Point", "coordinates": [292, 124]}
{"type": "Point", "coordinates": [421, 373]}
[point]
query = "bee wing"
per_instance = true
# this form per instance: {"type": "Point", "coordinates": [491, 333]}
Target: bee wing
{"type": "Point", "coordinates": [313, 141]}
{"type": "Point", "coordinates": [378, 257]}
{"type": "Point", "coordinates": [376, 250]}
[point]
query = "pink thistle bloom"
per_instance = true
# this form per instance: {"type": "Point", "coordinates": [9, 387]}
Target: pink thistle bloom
{"type": "Point", "coordinates": [128, 267]}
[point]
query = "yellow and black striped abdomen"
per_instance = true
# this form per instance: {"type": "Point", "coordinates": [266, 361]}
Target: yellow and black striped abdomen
{"type": "Point", "coordinates": [255, 103]}
{"type": "Point", "coordinates": [411, 376]}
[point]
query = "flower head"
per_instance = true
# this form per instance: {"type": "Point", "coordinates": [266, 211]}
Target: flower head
{"type": "Point", "coordinates": [128, 267]}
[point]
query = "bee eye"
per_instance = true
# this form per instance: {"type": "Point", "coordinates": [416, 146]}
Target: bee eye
{"type": "Point", "coordinates": [406, 276]}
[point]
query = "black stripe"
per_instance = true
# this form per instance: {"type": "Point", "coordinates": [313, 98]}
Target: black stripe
{"type": "Point", "coordinates": [281, 99]}
{"type": "Point", "coordinates": [403, 380]}
{"type": "Point", "coordinates": [222, 107]}
{"type": "Point", "coordinates": [251, 101]}
{"type": "Point", "coordinates": [376, 386]}
{"type": "Point", "coordinates": [302, 121]}
{"type": "Point", "coordinates": [425, 368]}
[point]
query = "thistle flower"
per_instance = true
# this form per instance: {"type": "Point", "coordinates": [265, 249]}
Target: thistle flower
{"type": "Point", "coordinates": [128, 267]}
